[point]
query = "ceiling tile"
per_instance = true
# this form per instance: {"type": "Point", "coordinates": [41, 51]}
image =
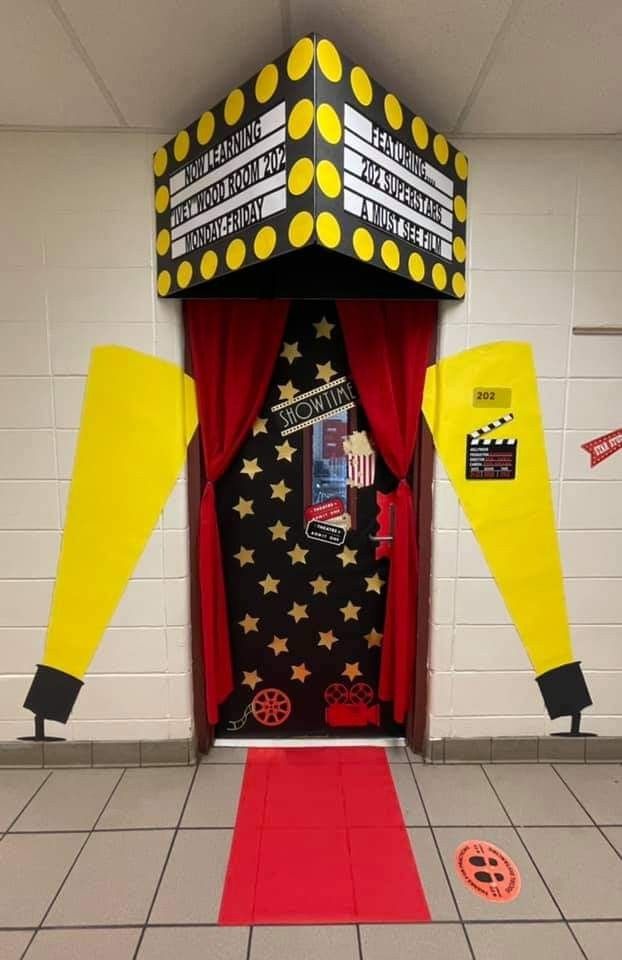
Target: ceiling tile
{"type": "Point", "coordinates": [428, 52]}
{"type": "Point", "coordinates": [557, 70]}
{"type": "Point", "coordinates": [165, 62]}
{"type": "Point", "coordinates": [43, 80]}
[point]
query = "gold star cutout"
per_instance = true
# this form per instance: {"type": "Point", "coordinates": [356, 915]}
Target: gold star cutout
{"type": "Point", "coordinates": [347, 556]}
{"type": "Point", "coordinates": [299, 611]}
{"type": "Point", "coordinates": [251, 679]}
{"type": "Point", "coordinates": [350, 611]}
{"type": "Point", "coordinates": [298, 555]}
{"type": "Point", "coordinates": [323, 329]}
{"type": "Point", "coordinates": [244, 507]}
{"type": "Point", "coordinates": [300, 673]}
{"type": "Point", "coordinates": [320, 585]}
{"type": "Point", "coordinates": [328, 639]}
{"type": "Point", "coordinates": [279, 531]}
{"type": "Point", "coordinates": [352, 671]}
{"type": "Point", "coordinates": [374, 639]}
{"type": "Point", "coordinates": [279, 645]}
{"type": "Point", "coordinates": [325, 371]}
{"type": "Point", "coordinates": [244, 556]}
{"type": "Point", "coordinates": [249, 624]}
{"type": "Point", "coordinates": [280, 490]}
{"type": "Point", "coordinates": [287, 391]}
{"type": "Point", "coordinates": [270, 585]}
{"type": "Point", "coordinates": [251, 468]}
{"type": "Point", "coordinates": [259, 426]}
{"type": "Point", "coordinates": [374, 584]}
{"type": "Point", "coordinates": [290, 351]}
{"type": "Point", "coordinates": [285, 451]}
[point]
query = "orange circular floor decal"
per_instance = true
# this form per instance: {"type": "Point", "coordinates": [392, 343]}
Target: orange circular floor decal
{"type": "Point", "coordinates": [487, 871]}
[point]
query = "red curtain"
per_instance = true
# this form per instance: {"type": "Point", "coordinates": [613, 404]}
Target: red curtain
{"type": "Point", "coordinates": [388, 343]}
{"type": "Point", "coordinates": [234, 346]}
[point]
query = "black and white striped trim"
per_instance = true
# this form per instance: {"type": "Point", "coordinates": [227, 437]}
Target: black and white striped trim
{"type": "Point", "coordinates": [507, 418]}
{"type": "Point", "coordinates": [492, 443]}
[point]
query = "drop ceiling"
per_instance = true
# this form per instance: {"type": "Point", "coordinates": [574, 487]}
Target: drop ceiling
{"type": "Point", "coordinates": [476, 67]}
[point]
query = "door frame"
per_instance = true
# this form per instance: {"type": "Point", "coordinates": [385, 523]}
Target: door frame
{"type": "Point", "coordinates": [422, 478]}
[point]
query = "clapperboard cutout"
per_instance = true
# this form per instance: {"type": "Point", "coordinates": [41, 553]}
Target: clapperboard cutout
{"type": "Point", "coordinates": [490, 459]}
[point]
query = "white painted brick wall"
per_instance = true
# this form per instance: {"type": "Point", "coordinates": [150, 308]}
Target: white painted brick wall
{"type": "Point", "coordinates": [76, 270]}
{"type": "Point", "coordinates": [545, 252]}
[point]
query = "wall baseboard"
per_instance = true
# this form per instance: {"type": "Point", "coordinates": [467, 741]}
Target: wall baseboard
{"type": "Point", "coordinates": [523, 750]}
{"type": "Point", "coordinates": [98, 753]}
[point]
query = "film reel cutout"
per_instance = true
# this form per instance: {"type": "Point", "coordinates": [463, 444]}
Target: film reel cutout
{"type": "Point", "coordinates": [336, 693]}
{"type": "Point", "coordinates": [361, 693]}
{"type": "Point", "coordinates": [271, 707]}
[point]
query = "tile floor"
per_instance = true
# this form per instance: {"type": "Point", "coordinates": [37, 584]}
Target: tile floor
{"type": "Point", "coordinates": [116, 864]}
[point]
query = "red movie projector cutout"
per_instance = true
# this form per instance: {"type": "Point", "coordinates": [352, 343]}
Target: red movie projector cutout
{"type": "Point", "coordinates": [320, 838]}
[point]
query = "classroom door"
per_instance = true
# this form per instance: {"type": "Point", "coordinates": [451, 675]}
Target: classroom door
{"type": "Point", "coordinates": [305, 580]}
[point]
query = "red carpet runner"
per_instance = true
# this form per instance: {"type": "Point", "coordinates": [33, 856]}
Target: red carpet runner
{"type": "Point", "coordinates": [320, 838]}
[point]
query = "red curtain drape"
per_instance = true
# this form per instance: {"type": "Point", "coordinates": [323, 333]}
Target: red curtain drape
{"type": "Point", "coordinates": [234, 346]}
{"type": "Point", "coordinates": [388, 343]}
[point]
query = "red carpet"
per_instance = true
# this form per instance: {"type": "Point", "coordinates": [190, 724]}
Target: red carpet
{"type": "Point", "coordinates": [320, 838]}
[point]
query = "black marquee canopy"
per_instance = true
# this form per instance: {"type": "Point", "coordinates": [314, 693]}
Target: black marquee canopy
{"type": "Point", "coordinates": [304, 178]}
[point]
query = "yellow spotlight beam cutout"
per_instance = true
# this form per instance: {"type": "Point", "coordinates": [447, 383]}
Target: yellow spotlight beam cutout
{"type": "Point", "coordinates": [138, 416]}
{"type": "Point", "coordinates": [483, 410]}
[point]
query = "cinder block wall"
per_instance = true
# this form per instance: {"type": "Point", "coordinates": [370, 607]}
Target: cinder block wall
{"type": "Point", "coordinates": [545, 248]}
{"type": "Point", "coordinates": [76, 270]}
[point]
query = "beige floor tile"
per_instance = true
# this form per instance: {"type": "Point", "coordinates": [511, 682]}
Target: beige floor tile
{"type": "Point", "coordinates": [304, 943]}
{"type": "Point", "coordinates": [113, 881]}
{"type": "Point", "coordinates": [213, 800]}
{"type": "Point", "coordinates": [80, 944]}
{"type": "Point", "coordinates": [32, 869]}
{"type": "Point", "coordinates": [194, 943]}
{"type": "Point", "coordinates": [516, 941]}
{"type": "Point", "coordinates": [13, 943]}
{"type": "Point", "coordinates": [193, 881]}
{"type": "Point", "coordinates": [424, 941]}
{"type": "Point", "coordinates": [534, 794]}
{"type": "Point", "coordinates": [435, 886]}
{"type": "Point", "coordinates": [396, 754]}
{"type": "Point", "coordinates": [534, 901]}
{"type": "Point", "coordinates": [16, 789]}
{"type": "Point", "coordinates": [615, 836]}
{"type": "Point", "coordinates": [598, 786]}
{"type": "Point", "coordinates": [69, 800]}
{"type": "Point", "coordinates": [148, 797]}
{"type": "Point", "coordinates": [410, 801]}
{"type": "Point", "coordinates": [225, 755]}
{"type": "Point", "coordinates": [582, 871]}
{"type": "Point", "coordinates": [600, 941]}
{"type": "Point", "coordinates": [458, 795]}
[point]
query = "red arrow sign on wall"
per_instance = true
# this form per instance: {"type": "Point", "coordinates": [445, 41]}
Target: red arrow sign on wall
{"type": "Point", "coordinates": [602, 447]}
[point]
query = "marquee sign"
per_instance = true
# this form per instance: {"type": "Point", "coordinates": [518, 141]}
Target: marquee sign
{"type": "Point", "coordinates": [310, 151]}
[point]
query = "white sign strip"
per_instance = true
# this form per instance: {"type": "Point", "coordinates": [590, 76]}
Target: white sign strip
{"type": "Point", "coordinates": [259, 149]}
{"type": "Point", "coordinates": [359, 125]}
{"type": "Point", "coordinates": [252, 175]}
{"type": "Point", "coordinates": [361, 146]}
{"type": "Point", "coordinates": [237, 200]}
{"type": "Point", "coordinates": [354, 179]}
{"type": "Point", "coordinates": [193, 174]}
{"type": "Point", "coordinates": [241, 217]}
{"type": "Point", "coordinates": [402, 228]}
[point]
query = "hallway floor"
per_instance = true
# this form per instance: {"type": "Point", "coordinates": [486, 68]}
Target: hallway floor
{"type": "Point", "coordinates": [115, 864]}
